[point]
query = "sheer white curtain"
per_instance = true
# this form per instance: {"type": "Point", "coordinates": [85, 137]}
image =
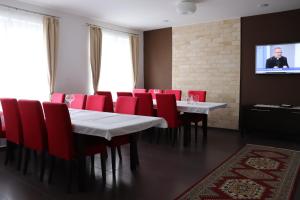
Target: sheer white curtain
{"type": "Point", "coordinates": [116, 63]}
{"type": "Point", "coordinates": [23, 64]}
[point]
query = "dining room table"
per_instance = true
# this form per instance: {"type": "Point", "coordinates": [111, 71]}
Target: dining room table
{"type": "Point", "coordinates": [108, 125]}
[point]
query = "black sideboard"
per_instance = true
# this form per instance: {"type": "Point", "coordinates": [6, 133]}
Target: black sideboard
{"type": "Point", "coordinates": [271, 118]}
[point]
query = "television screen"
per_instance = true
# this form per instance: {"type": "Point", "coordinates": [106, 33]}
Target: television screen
{"type": "Point", "coordinates": [278, 58]}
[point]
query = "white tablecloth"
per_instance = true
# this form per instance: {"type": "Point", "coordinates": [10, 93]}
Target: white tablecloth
{"type": "Point", "coordinates": [108, 125]}
{"type": "Point", "coordinates": [197, 107]}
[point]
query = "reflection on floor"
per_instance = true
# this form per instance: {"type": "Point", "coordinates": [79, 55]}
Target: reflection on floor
{"type": "Point", "coordinates": [165, 171]}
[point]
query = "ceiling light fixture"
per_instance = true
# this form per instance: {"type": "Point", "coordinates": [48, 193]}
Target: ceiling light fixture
{"type": "Point", "coordinates": [263, 5]}
{"type": "Point", "coordinates": [186, 7]}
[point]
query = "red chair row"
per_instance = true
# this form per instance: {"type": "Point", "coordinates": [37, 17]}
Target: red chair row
{"type": "Point", "coordinates": [28, 127]}
{"type": "Point", "coordinates": [198, 95]}
{"type": "Point", "coordinates": [145, 105]}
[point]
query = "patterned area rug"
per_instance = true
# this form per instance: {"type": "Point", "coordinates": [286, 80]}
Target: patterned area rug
{"type": "Point", "coordinates": [254, 172]}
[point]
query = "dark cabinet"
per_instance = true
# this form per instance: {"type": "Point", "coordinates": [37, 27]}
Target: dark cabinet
{"type": "Point", "coordinates": [273, 119]}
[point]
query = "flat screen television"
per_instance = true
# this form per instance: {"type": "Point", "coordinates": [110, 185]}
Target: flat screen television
{"type": "Point", "coordinates": [278, 58]}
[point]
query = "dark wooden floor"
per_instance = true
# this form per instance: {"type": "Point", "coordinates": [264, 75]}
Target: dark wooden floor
{"type": "Point", "coordinates": [164, 172]}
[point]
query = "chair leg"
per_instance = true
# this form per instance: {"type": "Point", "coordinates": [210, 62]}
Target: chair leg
{"type": "Point", "coordinates": [69, 174]}
{"type": "Point", "coordinates": [20, 151]}
{"type": "Point", "coordinates": [196, 134]}
{"type": "Point", "coordinates": [27, 157]}
{"type": "Point", "coordinates": [92, 164]}
{"type": "Point", "coordinates": [158, 135]}
{"type": "Point", "coordinates": [52, 164]}
{"type": "Point", "coordinates": [103, 167]}
{"type": "Point", "coordinates": [119, 152]}
{"type": "Point", "coordinates": [8, 152]}
{"type": "Point", "coordinates": [35, 155]}
{"type": "Point", "coordinates": [113, 160]}
{"type": "Point", "coordinates": [43, 160]}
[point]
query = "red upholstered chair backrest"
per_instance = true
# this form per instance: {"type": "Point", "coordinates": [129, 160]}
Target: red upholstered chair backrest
{"type": "Point", "coordinates": [78, 101]}
{"type": "Point", "coordinates": [135, 91]}
{"type": "Point", "coordinates": [12, 120]}
{"type": "Point", "coordinates": [176, 92]}
{"type": "Point", "coordinates": [33, 123]}
{"type": "Point", "coordinates": [126, 105]}
{"type": "Point", "coordinates": [145, 104]}
{"type": "Point", "coordinates": [109, 106]}
{"type": "Point", "coordinates": [95, 102]}
{"type": "Point", "coordinates": [126, 94]}
{"type": "Point", "coordinates": [198, 95]}
{"type": "Point", "coordinates": [58, 98]}
{"type": "Point", "coordinates": [59, 130]}
{"type": "Point", "coordinates": [153, 92]}
{"type": "Point", "coordinates": [167, 109]}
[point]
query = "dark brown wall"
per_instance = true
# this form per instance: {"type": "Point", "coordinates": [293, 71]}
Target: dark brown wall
{"type": "Point", "coordinates": [158, 58]}
{"type": "Point", "coordinates": [281, 27]}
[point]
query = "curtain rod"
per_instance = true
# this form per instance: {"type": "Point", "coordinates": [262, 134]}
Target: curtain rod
{"type": "Point", "coordinates": [93, 25]}
{"type": "Point", "coordinates": [29, 11]}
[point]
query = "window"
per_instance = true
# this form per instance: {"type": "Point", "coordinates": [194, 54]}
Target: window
{"type": "Point", "coordinates": [116, 65]}
{"type": "Point", "coordinates": [23, 66]}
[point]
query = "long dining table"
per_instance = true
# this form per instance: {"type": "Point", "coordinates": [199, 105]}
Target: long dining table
{"type": "Point", "coordinates": [108, 125]}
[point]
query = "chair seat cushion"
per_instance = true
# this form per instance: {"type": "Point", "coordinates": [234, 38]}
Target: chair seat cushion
{"type": "Point", "coordinates": [193, 117]}
{"type": "Point", "coordinates": [94, 145]}
{"type": "Point", "coordinates": [119, 140]}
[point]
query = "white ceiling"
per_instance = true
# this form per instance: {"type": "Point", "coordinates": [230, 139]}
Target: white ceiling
{"type": "Point", "coordinates": [151, 14]}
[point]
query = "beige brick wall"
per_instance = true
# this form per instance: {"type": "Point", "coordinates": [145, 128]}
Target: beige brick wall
{"type": "Point", "coordinates": [207, 57]}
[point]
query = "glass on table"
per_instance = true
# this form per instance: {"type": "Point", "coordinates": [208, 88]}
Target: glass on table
{"type": "Point", "coordinates": [69, 99]}
{"type": "Point", "coordinates": [189, 99]}
{"type": "Point", "coordinates": [195, 99]}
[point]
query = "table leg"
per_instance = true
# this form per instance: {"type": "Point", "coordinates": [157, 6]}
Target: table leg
{"type": "Point", "coordinates": [204, 125]}
{"type": "Point", "coordinates": [133, 151]}
{"type": "Point", "coordinates": [186, 135]}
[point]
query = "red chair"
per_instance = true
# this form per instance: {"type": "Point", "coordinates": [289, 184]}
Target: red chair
{"type": "Point", "coordinates": [153, 92]}
{"type": "Point", "coordinates": [13, 128]}
{"type": "Point", "coordinates": [78, 101]}
{"type": "Point", "coordinates": [61, 140]}
{"type": "Point", "coordinates": [126, 94]}
{"type": "Point", "coordinates": [95, 102]}
{"type": "Point", "coordinates": [176, 92]}
{"type": "Point", "coordinates": [200, 96]}
{"type": "Point", "coordinates": [34, 131]}
{"type": "Point", "coordinates": [58, 98]}
{"type": "Point", "coordinates": [2, 126]}
{"type": "Point", "coordinates": [124, 105]}
{"type": "Point", "coordinates": [145, 104]}
{"type": "Point", "coordinates": [167, 109]}
{"type": "Point", "coordinates": [135, 91]}
{"type": "Point", "coordinates": [109, 105]}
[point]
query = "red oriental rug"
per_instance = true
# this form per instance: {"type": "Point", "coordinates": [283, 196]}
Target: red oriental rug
{"type": "Point", "coordinates": [254, 172]}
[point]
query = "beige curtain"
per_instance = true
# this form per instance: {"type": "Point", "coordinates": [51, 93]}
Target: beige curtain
{"type": "Point", "coordinates": [134, 43]}
{"type": "Point", "coordinates": [51, 38]}
{"type": "Point", "coordinates": [95, 54]}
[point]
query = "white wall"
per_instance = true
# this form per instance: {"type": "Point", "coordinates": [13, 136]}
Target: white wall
{"type": "Point", "coordinates": [73, 70]}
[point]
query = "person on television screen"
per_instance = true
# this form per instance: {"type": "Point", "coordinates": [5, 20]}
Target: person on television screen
{"type": "Point", "coordinates": [277, 61]}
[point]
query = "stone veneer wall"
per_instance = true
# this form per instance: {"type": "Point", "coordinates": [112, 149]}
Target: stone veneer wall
{"type": "Point", "coordinates": [206, 56]}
